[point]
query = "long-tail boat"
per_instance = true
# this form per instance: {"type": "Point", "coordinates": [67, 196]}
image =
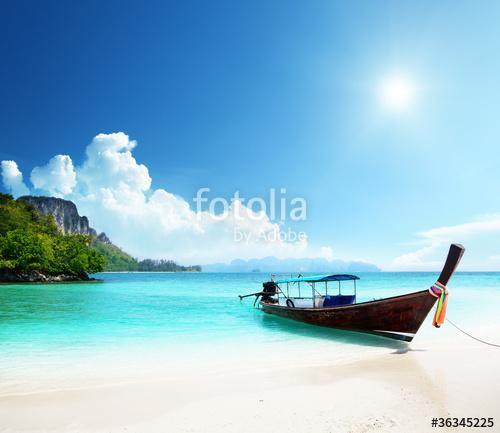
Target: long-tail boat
{"type": "Point", "coordinates": [397, 317]}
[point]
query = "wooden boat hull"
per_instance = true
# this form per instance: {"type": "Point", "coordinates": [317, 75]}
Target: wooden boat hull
{"type": "Point", "coordinates": [398, 317]}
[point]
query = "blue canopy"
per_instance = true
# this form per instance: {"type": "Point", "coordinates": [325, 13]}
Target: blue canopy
{"type": "Point", "coordinates": [319, 278]}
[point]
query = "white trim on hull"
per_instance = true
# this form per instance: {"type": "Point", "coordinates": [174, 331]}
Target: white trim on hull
{"type": "Point", "coordinates": [406, 334]}
{"type": "Point", "coordinates": [403, 336]}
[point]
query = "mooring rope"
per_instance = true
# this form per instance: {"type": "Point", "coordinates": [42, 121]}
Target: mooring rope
{"type": "Point", "coordinates": [471, 336]}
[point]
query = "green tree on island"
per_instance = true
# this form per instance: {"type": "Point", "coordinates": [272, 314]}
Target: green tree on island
{"type": "Point", "coordinates": [30, 242]}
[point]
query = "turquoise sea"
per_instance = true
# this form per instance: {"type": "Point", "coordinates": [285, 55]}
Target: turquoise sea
{"type": "Point", "coordinates": [131, 324]}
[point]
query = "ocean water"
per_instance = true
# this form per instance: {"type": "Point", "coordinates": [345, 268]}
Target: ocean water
{"type": "Point", "coordinates": [132, 326]}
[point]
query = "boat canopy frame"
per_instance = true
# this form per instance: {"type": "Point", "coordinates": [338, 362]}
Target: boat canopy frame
{"type": "Point", "coordinates": [311, 281]}
{"type": "Point", "coordinates": [314, 278]}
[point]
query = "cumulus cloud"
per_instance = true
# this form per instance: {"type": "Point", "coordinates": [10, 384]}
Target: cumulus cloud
{"type": "Point", "coordinates": [114, 191]}
{"type": "Point", "coordinates": [57, 177]}
{"type": "Point", "coordinates": [110, 165]}
{"type": "Point", "coordinates": [13, 179]}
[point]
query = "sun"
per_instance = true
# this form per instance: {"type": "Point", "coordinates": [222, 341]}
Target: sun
{"type": "Point", "coordinates": [397, 93]}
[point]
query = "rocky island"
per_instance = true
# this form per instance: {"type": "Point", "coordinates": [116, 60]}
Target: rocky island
{"type": "Point", "coordinates": [35, 248]}
{"type": "Point", "coordinates": [44, 239]}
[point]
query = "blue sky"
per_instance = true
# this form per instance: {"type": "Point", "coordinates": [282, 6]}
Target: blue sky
{"type": "Point", "coordinates": [252, 95]}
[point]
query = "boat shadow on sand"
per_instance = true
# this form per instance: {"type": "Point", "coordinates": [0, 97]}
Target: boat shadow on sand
{"type": "Point", "coordinates": [276, 323]}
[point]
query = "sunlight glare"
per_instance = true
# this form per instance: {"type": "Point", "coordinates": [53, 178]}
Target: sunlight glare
{"type": "Point", "coordinates": [397, 93]}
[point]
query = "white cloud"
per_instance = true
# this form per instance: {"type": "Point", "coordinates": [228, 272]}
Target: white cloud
{"type": "Point", "coordinates": [436, 241]}
{"type": "Point", "coordinates": [114, 191]}
{"type": "Point", "coordinates": [418, 259]}
{"type": "Point", "coordinates": [57, 177]}
{"type": "Point", "coordinates": [110, 165]}
{"type": "Point", "coordinates": [326, 253]}
{"type": "Point", "coordinates": [488, 223]}
{"type": "Point", "coordinates": [13, 179]}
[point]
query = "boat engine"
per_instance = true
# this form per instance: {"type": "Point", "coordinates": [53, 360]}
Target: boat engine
{"type": "Point", "coordinates": [269, 290]}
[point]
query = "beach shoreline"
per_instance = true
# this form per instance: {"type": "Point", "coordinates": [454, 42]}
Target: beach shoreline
{"type": "Point", "coordinates": [142, 354]}
{"type": "Point", "coordinates": [401, 390]}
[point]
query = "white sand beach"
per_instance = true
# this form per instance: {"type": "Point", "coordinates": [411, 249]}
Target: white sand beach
{"type": "Point", "coordinates": [397, 391]}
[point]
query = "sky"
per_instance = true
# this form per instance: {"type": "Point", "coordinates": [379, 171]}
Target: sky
{"type": "Point", "coordinates": [381, 115]}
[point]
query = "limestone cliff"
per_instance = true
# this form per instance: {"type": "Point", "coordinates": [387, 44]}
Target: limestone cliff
{"type": "Point", "coordinates": [65, 214]}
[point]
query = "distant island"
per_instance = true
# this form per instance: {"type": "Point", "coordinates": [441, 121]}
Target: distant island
{"type": "Point", "coordinates": [44, 239]}
{"type": "Point", "coordinates": [275, 265]}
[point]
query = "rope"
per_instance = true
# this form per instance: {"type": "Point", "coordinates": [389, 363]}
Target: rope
{"type": "Point", "coordinates": [471, 336]}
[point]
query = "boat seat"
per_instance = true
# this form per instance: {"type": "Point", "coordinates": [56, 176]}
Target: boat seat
{"type": "Point", "coordinates": [337, 300]}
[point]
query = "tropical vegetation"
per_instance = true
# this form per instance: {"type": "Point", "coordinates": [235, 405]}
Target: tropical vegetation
{"type": "Point", "coordinates": [119, 260]}
{"type": "Point", "coordinates": [31, 242]}
{"type": "Point", "coordinates": [116, 259]}
{"type": "Point", "coordinates": [149, 265]}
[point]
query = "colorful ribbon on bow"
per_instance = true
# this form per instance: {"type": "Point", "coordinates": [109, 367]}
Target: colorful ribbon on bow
{"type": "Point", "coordinates": [439, 291]}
